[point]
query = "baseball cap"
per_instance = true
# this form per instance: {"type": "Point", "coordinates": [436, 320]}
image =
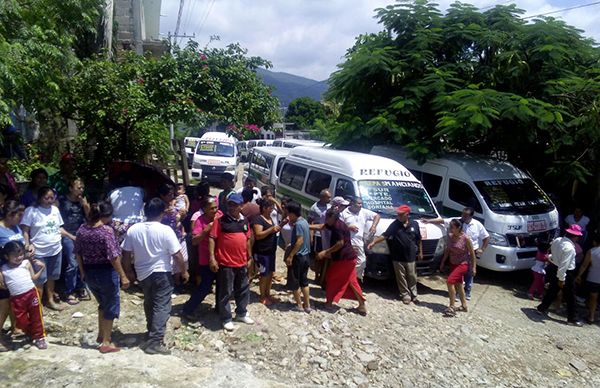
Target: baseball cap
{"type": "Point", "coordinates": [235, 198]}
{"type": "Point", "coordinates": [337, 201]}
{"type": "Point", "coordinates": [403, 209]}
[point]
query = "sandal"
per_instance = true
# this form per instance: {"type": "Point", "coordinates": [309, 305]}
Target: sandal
{"type": "Point", "coordinates": [108, 349]}
{"type": "Point", "coordinates": [462, 309]}
{"type": "Point", "coordinates": [72, 300]}
{"type": "Point", "coordinates": [450, 312]}
{"type": "Point", "coordinates": [83, 294]}
{"type": "Point", "coordinates": [362, 312]}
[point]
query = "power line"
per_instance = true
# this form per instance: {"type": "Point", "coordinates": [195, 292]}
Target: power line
{"type": "Point", "coordinates": [563, 10]}
{"type": "Point", "coordinates": [493, 5]}
{"type": "Point", "coordinates": [206, 16]}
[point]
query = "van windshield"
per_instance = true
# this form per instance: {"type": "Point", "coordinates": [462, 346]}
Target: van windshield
{"type": "Point", "coordinates": [514, 196]}
{"type": "Point", "coordinates": [384, 196]}
{"type": "Point", "coordinates": [215, 148]}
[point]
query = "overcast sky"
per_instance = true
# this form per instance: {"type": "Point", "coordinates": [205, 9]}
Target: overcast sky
{"type": "Point", "coordinates": [310, 37]}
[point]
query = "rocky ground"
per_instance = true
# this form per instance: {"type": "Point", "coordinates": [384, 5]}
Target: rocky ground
{"type": "Point", "coordinates": [500, 342]}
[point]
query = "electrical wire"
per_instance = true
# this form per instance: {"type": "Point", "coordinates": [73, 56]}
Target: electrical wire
{"type": "Point", "coordinates": [563, 10]}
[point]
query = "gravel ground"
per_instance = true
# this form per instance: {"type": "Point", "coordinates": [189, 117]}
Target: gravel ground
{"type": "Point", "coordinates": [500, 342]}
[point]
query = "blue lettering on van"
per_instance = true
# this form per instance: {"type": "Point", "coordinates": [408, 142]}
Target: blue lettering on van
{"type": "Point", "coordinates": [384, 172]}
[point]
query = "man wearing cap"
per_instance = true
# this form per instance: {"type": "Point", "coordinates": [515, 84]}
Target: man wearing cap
{"type": "Point", "coordinates": [404, 241]}
{"type": "Point", "coordinates": [229, 250]}
{"type": "Point", "coordinates": [560, 272]}
{"type": "Point", "coordinates": [339, 204]}
{"type": "Point", "coordinates": [357, 219]}
{"type": "Point", "coordinates": [227, 184]}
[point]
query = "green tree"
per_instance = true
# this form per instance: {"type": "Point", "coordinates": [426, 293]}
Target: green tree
{"type": "Point", "coordinates": [486, 82]}
{"type": "Point", "coordinates": [304, 112]}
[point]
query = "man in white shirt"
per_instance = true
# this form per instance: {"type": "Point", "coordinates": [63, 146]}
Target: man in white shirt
{"type": "Point", "coordinates": [250, 184]}
{"type": "Point", "coordinates": [479, 238]}
{"type": "Point", "coordinates": [357, 219]}
{"type": "Point", "coordinates": [560, 273]}
{"type": "Point", "coordinates": [154, 246]}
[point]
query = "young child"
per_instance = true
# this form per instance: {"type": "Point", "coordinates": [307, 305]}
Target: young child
{"type": "Point", "coordinates": [17, 275]}
{"type": "Point", "coordinates": [182, 202]}
{"type": "Point", "coordinates": [539, 270]}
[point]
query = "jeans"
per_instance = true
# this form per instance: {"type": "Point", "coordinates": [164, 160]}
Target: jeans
{"type": "Point", "coordinates": [553, 290]}
{"type": "Point", "coordinates": [72, 278]}
{"type": "Point", "coordinates": [157, 288]}
{"type": "Point", "coordinates": [207, 278]}
{"type": "Point", "coordinates": [468, 281]}
{"type": "Point", "coordinates": [232, 280]}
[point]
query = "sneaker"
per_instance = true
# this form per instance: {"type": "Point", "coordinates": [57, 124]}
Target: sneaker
{"type": "Point", "coordinates": [40, 343]}
{"type": "Point", "coordinates": [157, 349]}
{"type": "Point", "coordinates": [406, 300]}
{"type": "Point", "coordinates": [229, 326]}
{"type": "Point", "coordinates": [468, 297]}
{"type": "Point", "coordinates": [456, 298]}
{"type": "Point", "coordinates": [574, 322]}
{"type": "Point", "coordinates": [246, 319]}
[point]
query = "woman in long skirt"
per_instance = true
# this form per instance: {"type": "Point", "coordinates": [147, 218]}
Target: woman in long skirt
{"type": "Point", "coordinates": [341, 273]}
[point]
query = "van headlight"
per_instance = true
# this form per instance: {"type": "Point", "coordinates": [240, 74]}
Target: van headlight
{"type": "Point", "coordinates": [196, 165]}
{"type": "Point", "coordinates": [230, 168]}
{"type": "Point", "coordinates": [498, 239]}
{"type": "Point", "coordinates": [381, 248]}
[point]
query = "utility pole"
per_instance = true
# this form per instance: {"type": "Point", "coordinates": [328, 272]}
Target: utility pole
{"type": "Point", "coordinates": [181, 2]}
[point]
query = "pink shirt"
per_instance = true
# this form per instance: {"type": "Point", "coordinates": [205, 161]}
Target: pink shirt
{"type": "Point", "coordinates": [199, 226]}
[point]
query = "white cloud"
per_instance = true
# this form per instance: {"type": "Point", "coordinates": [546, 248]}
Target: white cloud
{"type": "Point", "coordinates": [310, 37]}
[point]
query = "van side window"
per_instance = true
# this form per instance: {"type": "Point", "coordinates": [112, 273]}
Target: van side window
{"type": "Point", "coordinates": [279, 165]}
{"type": "Point", "coordinates": [268, 161]}
{"type": "Point", "coordinates": [462, 193]}
{"type": "Point", "coordinates": [317, 181]}
{"type": "Point", "coordinates": [293, 176]}
{"type": "Point", "coordinates": [344, 188]}
{"type": "Point", "coordinates": [431, 182]}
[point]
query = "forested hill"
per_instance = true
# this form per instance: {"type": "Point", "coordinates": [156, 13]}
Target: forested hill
{"type": "Point", "coordinates": [288, 86]}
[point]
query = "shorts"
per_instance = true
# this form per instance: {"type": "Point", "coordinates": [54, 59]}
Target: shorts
{"type": "Point", "coordinates": [4, 294]}
{"type": "Point", "coordinates": [457, 273]}
{"type": "Point", "coordinates": [266, 263]}
{"type": "Point", "coordinates": [592, 287]}
{"type": "Point", "coordinates": [104, 285]}
{"type": "Point", "coordinates": [52, 270]}
{"type": "Point", "coordinates": [297, 275]}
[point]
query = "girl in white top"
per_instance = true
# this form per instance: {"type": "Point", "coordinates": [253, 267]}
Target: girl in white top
{"type": "Point", "coordinates": [42, 227]}
{"type": "Point", "coordinates": [17, 275]}
{"type": "Point", "coordinates": [591, 262]}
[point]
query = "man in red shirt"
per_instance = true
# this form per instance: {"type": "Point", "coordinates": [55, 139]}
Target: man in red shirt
{"type": "Point", "coordinates": [229, 251]}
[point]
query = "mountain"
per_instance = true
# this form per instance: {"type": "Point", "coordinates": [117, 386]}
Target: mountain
{"type": "Point", "coordinates": [288, 86]}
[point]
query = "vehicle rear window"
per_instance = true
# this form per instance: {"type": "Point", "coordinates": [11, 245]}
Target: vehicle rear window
{"type": "Point", "coordinates": [293, 176]}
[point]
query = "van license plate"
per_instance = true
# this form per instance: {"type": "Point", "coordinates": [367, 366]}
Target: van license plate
{"type": "Point", "coordinates": [536, 226]}
{"type": "Point", "coordinates": [213, 162]}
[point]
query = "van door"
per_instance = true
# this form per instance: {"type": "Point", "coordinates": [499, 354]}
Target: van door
{"type": "Point", "coordinates": [433, 177]}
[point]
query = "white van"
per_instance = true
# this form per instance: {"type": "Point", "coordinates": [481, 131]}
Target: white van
{"type": "Point", "coordinates": [264, 143]}
{"type": "Point", "coordinates": [512, 207]}
{"type": "Point", "coordinates": [291, 143]}
{"type": "Point", "coordinates": [383, 185]}
{"type": "Point", "coordinates": [242, 149]}
{"type": "Point", "coordinates": [215, 153]}
{"type": "Point", "coordinates": [264, 164]}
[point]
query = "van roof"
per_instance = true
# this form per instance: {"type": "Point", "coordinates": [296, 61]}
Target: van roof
{"type": "Point", "coordinates": [272, 150]}
{"type": "Point", "coordinates": [477, 167]}
{"type": "Point", "coordinates": [356, 165]}
{"type": "Point", "coordinates": [217, 136]}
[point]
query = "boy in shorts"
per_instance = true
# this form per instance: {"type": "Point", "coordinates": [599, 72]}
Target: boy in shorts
{"type": "Point", "coordinates": [297, 259]}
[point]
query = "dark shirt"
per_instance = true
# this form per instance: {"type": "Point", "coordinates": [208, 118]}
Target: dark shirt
{"type": "Point", "coordinates": [267, 245]}
{"type": "Point", "coordinates": [340, 232]}
{"type": "Point", "coordinates": [223, 200]}
{"type": "Point", "coordinates": [72, 214]}
{"type": "Point", "coordinates": [403, 241]}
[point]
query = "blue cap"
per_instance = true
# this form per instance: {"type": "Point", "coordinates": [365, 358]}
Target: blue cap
{"type": "Point", "coordinates": [235, 198]}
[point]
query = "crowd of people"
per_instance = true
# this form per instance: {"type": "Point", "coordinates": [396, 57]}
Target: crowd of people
{"type": "Point", "coordinates": [161, 243]}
